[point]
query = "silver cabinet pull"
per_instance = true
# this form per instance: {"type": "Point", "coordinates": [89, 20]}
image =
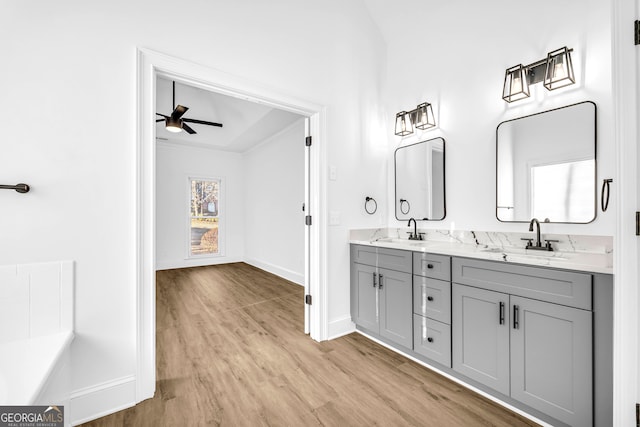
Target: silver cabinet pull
{"type": "Point", "coordinates": [380, 276]}
{"type": "Point", "coordinates": [501, 313]}
{"type": "Point", "coordinates": [516, 323]}
{"type": "Point", "coordinates": [374, 280]}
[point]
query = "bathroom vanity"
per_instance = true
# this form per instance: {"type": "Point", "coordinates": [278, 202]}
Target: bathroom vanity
{"type": "Point", "coordinates": [515, 325]}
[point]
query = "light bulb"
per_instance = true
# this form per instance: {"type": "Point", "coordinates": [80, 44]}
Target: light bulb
{"type": "Point", "coordinates": [516, 85]}
{"type": "Point", "coordinates": [559, 71]}
{"type": "Point", "coordinates": [173, 125]}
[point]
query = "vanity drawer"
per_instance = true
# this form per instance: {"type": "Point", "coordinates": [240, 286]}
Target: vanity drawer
{"type": "Point", "coordinates": [432, 339]}
{"type": "Point", "coordinates": [432, 298]}
{"type": "Point", "coordinates": [560, 287]}
{"type": "Point", "coordinates": [364, 254]}
{"type": "Point", "coordinates": [393, 259]}
{"type": "Point", "coordinates": [430, 265]}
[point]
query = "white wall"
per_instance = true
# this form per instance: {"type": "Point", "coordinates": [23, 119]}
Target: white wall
{"type": "Point", "coordinates": [468, 47]}
{"type": "Point", "coordinates": [69, 129]}
{"type": "Point", "coordinates": [174, 164]}
{"type": "Point", "coordinates": [274, 193]}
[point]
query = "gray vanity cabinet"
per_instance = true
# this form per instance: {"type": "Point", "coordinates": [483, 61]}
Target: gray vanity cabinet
{"type": "Point", "coordinates": [364, 310]}
{"type": "Point", "coordinates": [381, 292]}
{"type": "Point", "coordinates": [481, 336]}
{"type": "Point", "coordinates": [537, 352]}
{"type": "Point", "coordinates": [551, 359]}
{"type": "Point", "coordinates": [395, 306]}
{"type": "Point", "coordinates": [432, 307]}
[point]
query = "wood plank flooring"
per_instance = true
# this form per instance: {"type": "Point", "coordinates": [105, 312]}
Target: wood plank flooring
{"type": "Point", "coordinates": [231, 352]}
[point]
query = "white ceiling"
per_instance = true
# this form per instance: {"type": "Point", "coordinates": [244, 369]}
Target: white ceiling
{"type": "Point", "coordinates": [245, 123]}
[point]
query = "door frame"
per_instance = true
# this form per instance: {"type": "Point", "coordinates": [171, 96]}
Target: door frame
{"type": "Point", "coordinates": [150, 64]}
{"type": "Point", "coordinates": [626, 246]}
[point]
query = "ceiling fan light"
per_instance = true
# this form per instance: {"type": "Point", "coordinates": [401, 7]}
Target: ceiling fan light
{"type": "Point", "coordinates": [173, 125]}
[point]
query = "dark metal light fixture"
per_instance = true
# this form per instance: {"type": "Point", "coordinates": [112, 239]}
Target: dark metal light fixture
{"type": "Point", "coordinates": [555, 71]}
{"type": "Point", "coordinates": [422, 118]}
{"type": "Point", "coordinates": [404, 125]}
{"type": "Point", "coordinates": [559, 69]}
{"type": "Point", "coordinates": [516, 84]}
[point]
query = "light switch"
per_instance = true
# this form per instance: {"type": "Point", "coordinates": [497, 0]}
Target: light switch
{"type": "Point", "coordinates": [333, 173]}
{"type": "Point", "coordinates": [334, 218]}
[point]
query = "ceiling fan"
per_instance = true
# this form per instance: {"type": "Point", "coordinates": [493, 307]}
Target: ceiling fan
{"type": "Point", "coordinates": [175, 122]}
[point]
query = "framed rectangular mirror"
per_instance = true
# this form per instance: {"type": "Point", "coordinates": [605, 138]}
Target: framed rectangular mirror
{"type": "Point", "coordinates": [546, 166]}
{"type": "Point", "coordinates": [419, 181]}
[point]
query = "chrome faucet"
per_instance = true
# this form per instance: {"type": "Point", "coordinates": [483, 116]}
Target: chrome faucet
{"type": "Point", "coordinates": [414, 235]}
{"type": "Point", "coordinates": [538, 245]}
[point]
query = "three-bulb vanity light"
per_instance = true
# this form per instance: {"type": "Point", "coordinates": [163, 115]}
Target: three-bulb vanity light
{"type": "Point", "coordinates": [421, 118]}
{"type": "Point", "coordinates": [555, 71]}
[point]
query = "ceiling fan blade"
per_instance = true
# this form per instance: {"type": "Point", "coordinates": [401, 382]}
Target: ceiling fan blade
{"type": "Point", "coordinates": [160, 120]}
{"type": "Point", "coordinates": [202, 122]}
{"type": "Point", "coordinates": [161, 115]}
{"type": "Point", "coordinates": [187, 128]}
{"type": "Point", "coordinates": [179, 111]}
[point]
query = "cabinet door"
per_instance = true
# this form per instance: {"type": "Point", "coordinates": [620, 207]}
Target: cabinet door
{"type": "Point", "coordinates": [396, 311]}
{"type": "Point", "coordinates": [364, 304]}
{"type": "Point", "coordinates": [551, 360]}
{"type": "Point", "coordinates": [480, 322]}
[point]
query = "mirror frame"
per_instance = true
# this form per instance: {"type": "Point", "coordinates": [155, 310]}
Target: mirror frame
{"type": "Point", "coordinates": [444, 180]}
{"type": "Point", "coordinates": [595, 159]}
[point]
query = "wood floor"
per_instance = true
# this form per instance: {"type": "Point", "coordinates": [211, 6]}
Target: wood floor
{"type": "Point", "coordinates": [231, 352]}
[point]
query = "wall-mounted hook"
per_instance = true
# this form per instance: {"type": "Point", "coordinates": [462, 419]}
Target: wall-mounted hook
{"type": "Point", "coordinates": [20, 188]}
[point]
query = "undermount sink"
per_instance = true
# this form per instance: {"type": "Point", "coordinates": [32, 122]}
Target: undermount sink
{"type": "Point", "coordinates": [406, 241]}
{"type": "Point", "coordinates": [528, 254]}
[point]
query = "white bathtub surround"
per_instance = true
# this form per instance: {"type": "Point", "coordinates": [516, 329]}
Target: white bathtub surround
{"type": "Point", "coordinates": [36, 330]}
{"type": "Point", "coordinates": [574, 252]}
{"type": "Point", "coordinates": [35, 300]}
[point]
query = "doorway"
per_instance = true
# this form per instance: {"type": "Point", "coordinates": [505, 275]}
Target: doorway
{"type": "Point", "coordinates": [151, 65]}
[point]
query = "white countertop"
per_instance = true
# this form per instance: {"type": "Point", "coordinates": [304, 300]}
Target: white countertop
{"type": "Point", "coordinates": [578, 261]}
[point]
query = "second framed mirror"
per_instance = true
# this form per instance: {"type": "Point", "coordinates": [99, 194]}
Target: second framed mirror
{"type": "Point", "coordinates": [420, 181]}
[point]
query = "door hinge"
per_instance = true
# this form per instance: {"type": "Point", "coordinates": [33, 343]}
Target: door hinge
{"type": "Point", "coordinates": [307, 220]}
{"type": "Point", "coordinates": [307, 299]}
{"type": "Point", "coordinates": [637, 223]}
{"type": "Point", "coordinates": [636, 32]}
{"type": "Point", "coordinates": [307, 141]}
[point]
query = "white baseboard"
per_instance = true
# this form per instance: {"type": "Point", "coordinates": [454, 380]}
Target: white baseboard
{"type": "Point", "coordinates": [196, 262]}
{"type": "Point", "coordinates": [285, 273]}
{"type": "Point", "coordinates": [340, 327]}
{"type": "Point", "coordinates": [102, 399]}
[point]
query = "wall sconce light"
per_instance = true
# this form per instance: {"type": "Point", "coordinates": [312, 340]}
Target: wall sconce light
{"type": "Point", "coordinates": [422, 118]}
{"type": "Point", "coordinates": [555, 71]}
